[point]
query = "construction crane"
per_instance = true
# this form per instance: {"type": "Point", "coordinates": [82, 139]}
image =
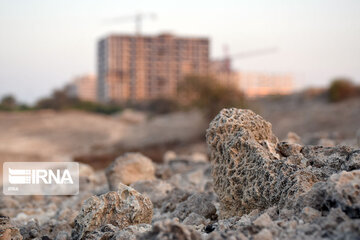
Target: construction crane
{"type": "Point", "coordinates": [223, 66]}
{"type": "Point", "coordinates": [137, 18]}
{"type": "Point", "coordinates": [227, 59]}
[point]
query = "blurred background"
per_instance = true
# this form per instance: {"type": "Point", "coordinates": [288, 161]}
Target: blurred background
{"type": "Point", "coordinates": [88, 80]}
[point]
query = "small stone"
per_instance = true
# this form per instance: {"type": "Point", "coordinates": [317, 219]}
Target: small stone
{"type": "Point", "coordinates": [200, 203]}
{"type": "Point", "coordinates": [325, 142]}
{"type": "Point", "coordinates": [195, 219]}
{"type": "Point", "coordinates": [263, 221]}
{"type": "Point", "coordinates": [129, 168]}
{"type": "Point", "coordinates": [169, 156]}
{"type": "Point", "coordinates": [292, 138]}
{"type": "Point", "coordinates": [289, 149]}
{"type": "Point", "coordinates": [132, 232]}
{"type": "Point", "coordinates": [157, 190]}
{"type": "Point", "coordinates": [264, 234]}
{"type": "Point", "coordinates": [62, 236]}
{"type": "Point", "coordinates": [33, 233]}
{"type": "Point", "coordinates": [171, 230]}
{"type": "Point", "coordinates": [309, 214]}
{"type": "Point", "coordinates": [87, 177]}
{"type": "Point", "coordinates": [353, 162]}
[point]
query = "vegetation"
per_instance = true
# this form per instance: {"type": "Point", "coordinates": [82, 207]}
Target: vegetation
{"type": "Point", "coordinates": [157, 106]}
{"type": "Point", "coordinates": [341, 89]}
{"type": "Point", "coordinates": [9, 103]}
{"type": "Point", "coordinates": [203, 92]}
{"type": "Point", "coordinates": [209, 94]}
{"type": "Point", "coordinates": [59, 100]}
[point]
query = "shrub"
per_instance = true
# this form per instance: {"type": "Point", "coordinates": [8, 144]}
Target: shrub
{"type": "Point", "coordinates": [341, 89]}
{"type": "Point", "coordinates": [59, 100]}
{"type": "Point", "coordinates": [8, 103]}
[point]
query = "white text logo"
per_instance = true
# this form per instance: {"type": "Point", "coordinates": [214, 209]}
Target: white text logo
{"type": "Point", "coordinates": [40, 178]}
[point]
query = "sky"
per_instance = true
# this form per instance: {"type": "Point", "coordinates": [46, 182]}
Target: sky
{"type": "Point", "coordinates": [46, 43]}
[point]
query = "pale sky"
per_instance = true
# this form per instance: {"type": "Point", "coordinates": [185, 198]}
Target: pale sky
{"type": "Point", "coordinates": [45, 43]}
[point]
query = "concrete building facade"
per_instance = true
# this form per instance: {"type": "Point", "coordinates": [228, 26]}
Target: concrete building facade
{"type": "Point", "coordinates": [257, 84]}
{"type": "Point", "coordinates": [147, 67]}
{"type": "Point", "coordinates": [83, 87]}
{"type": "Point", "coordinates": [251, 83]}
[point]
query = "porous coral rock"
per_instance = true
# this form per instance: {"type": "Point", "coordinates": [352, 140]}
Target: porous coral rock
{"type": "Point", "coordinates": [252, 170]}
{"type": "Point", "coordinates": [247, 170]}
{"type": "Point", "coordinates": [122, 208]}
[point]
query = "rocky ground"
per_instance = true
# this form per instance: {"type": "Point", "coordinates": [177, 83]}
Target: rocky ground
{"type": "Point", "coordinates": [252, 186]}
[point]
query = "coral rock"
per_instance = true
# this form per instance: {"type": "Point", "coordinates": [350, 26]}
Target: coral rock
{"type": "Point", "coordinates": [246, 168]}
{"type": "Point", "coordinates": [122, 208]}
{"type": "Point", "coordinates": [252, 170]}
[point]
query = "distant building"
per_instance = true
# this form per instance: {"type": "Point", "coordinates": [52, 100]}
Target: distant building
{"type": "Point", "coordinates": [255, 84]}
{"type": "Point", "coordinates": [221, 70]}
{"type": "Point", "coordinates": [145, 67]}
{"type": "Point", "coordinates": [83, 87]}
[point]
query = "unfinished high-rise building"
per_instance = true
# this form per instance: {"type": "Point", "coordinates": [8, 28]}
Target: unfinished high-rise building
{"type": "Point", "coordinates": [147, 67]}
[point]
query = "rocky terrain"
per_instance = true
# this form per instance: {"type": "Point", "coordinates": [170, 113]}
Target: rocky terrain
{"type": "Point", "coordinates": [252, 186]}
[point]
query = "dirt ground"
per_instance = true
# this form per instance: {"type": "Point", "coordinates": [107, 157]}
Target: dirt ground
{"type": "Point", "coordinates": [309, 117]}
{"type": "Point", "coordinates": [58, 136]}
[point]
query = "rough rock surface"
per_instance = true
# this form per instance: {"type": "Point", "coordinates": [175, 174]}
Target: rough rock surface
{"type": "Point", "coordinates": [7, 230]}
{"type": "Point", "coordinates": [122, 208]}
{"type": "Point", "coordinates": [112, 232]}
{"type": "Point", "coordinates": [171, 230]}
{"type": "Point", "coordinates": [157, 190]}
{"type": "Point", "coordinates": [253, 170]}
{"type": "Point", "coordinates": [199, 203]}
{"type": "Point", "coordinates": [128, 169]}
{"type": "Point", "coordinates": [339, 191]}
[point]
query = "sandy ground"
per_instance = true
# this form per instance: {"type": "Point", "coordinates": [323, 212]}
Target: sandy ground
{"type": "Point", "coordinates": [309, 117]}
{"type": "Point", "coordinates": [58, 136]}
{"type": "Point", "coordinates": [53, 136]}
